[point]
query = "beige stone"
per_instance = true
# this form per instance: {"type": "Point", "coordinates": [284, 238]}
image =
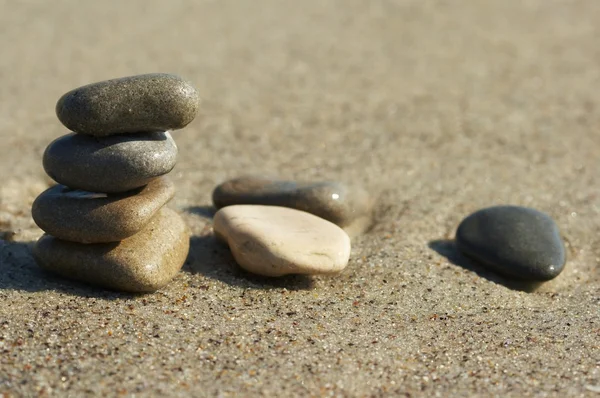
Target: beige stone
{"type": "Point", "coordinates": [144, 262]}
{"type": "Point", "coordinates": [275, 241]}
{"type": "Point", "coordinates": [88, 217]}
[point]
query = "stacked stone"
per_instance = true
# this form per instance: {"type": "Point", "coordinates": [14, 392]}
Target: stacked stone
{"type": "Point", "coordinates": [105, 221]}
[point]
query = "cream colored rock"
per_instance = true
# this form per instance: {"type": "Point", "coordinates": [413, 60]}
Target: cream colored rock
{"type": "Point", "coordinates": [275, 241]}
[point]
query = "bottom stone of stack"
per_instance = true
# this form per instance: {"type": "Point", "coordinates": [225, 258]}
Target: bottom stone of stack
{"type": "Point", "coordinates": [144, 262]}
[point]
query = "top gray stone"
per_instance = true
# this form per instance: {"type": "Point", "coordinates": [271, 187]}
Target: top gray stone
{"type": "Point", "coordinates": [346, 206]}
{"type": "Point", "coordinates": [143, 103]}
{"type": "Point", "coordinates": [518, 242]}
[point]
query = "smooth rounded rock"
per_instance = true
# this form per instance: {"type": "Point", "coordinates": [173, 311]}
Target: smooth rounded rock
{"type": "Point", "coordinates": [275, 241]}
{"type": "Point", "coordinates": [143, 103]}
{"type": "Point", "coordinates": [341, 204]}
{"type": "Point", "coordinates": [518, 242]}
{"type": "Point", "coordinates": [142, 263]}
{"type": "Point", "coordinates": [88, 217]}
{"type": "Point", "coordinates": [110, 164]}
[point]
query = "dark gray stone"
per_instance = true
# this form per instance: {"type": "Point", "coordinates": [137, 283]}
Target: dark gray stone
{"type": "Point", "coordinates": [517, 242]}
{"type": "Point", "coordinates": [87, 217]}
{"type": "Point", "coordinates": [143, 103]}
{"type": "Point", "coordinates": [332, 201]}
{"type": "Point", "coordinates": [116, 163]}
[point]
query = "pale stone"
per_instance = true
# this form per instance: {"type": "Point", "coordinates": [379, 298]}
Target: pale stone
{"type": "Point", "coordinates": [275, 241]}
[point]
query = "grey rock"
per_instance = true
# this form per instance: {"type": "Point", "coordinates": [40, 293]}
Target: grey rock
{"type": "Point", "coordinates": [111, 164]}
{"type": "Point", "coordinates": [144, 262]}
{"type": "Point", "coordinates": [88, 217]}
{"type": "Point", "coordinates": [518, 242]}
{"type": "Point", "coordinates": [143, 103]}
{"type": "Point", "coordinates": [341, 204]}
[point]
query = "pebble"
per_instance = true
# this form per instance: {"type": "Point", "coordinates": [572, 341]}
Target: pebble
{"type": "Point", "coordinates": [110, 164]}
{"type": "Point", "coordinates": [88, 217]}
{"type": "Point", "coordinates": [275, 241]}
{"type": "Point", "coordinates": [142, 263]}
{"type": "Point", "coordinates": [348, 207]}
{"type": "Point", "coordinates": [518, 242]}
{"type": "Point", "coordinates": [142, 103]}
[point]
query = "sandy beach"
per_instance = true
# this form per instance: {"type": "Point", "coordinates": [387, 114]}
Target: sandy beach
{"type": "Point", "coordinates": [437, 108]}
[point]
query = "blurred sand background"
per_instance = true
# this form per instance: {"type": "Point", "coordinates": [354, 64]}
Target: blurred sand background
{"type": "Point", "coordinates": [437, 107]}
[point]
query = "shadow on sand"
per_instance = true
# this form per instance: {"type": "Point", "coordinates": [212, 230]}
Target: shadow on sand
{"type": "Point", "coordinates": [207, 212]}
{"type": "Point", "coordinates": [213, 259]}
{"type": "Point", "coordinates": [447, 248]}
{"type": "Point", "coordinates": [207, 256]}
{"type": "Point", "coordinates": [19, 271]}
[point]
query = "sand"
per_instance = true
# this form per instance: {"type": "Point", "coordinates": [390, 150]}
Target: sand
{"type": "Point", "coordinates": [437, 107]}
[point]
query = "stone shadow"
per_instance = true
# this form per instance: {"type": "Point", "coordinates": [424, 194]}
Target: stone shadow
{"type": "Point", "coordinates": [448, 249]}
{"type": "Point", "coordinates": [19, 272]}
{"type": "Point", "coordinates": [213, 259]}
{"type": "Point", "coordinates": [203, 211]}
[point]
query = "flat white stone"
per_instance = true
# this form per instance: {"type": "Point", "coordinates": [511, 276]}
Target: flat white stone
{"type": "Point", "coordinates": [276, 241]}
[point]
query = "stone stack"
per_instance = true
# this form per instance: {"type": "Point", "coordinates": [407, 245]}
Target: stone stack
{"type": "Point", "coordinates": [105, 222]}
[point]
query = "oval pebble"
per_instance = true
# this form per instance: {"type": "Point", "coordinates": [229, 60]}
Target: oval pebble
{"type": "Point", "coordinates": [142, 103]}
{"type": "Point", "coordinates": [276, 241]}
{"type": "Point", "coordinates": [110, 164]}
{"type": "Point", "coordinates": [144, 262]}
{"type": "Point", "coordinates": [346, 206]}
{"type": "Point", "coordinates": [88, 217]}
{"type": "Point", "coordinates": [518, 242]}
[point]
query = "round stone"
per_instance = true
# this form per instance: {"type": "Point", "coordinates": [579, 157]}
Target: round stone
{"type": "Point", "coordinates": [88, 217]}
{"type": "Point", "coordinates": [518, 242]}
{"type": "Point", "coordinates": [345, 206]}
{"type": "Point", "coordinates": [117, 163]}
{"type": "Point", "coordinates": [143, 103]}
{"type": "Point", "coordinates": [275, 241]}
{"type": "Point", "coordinates": [144, 262]}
